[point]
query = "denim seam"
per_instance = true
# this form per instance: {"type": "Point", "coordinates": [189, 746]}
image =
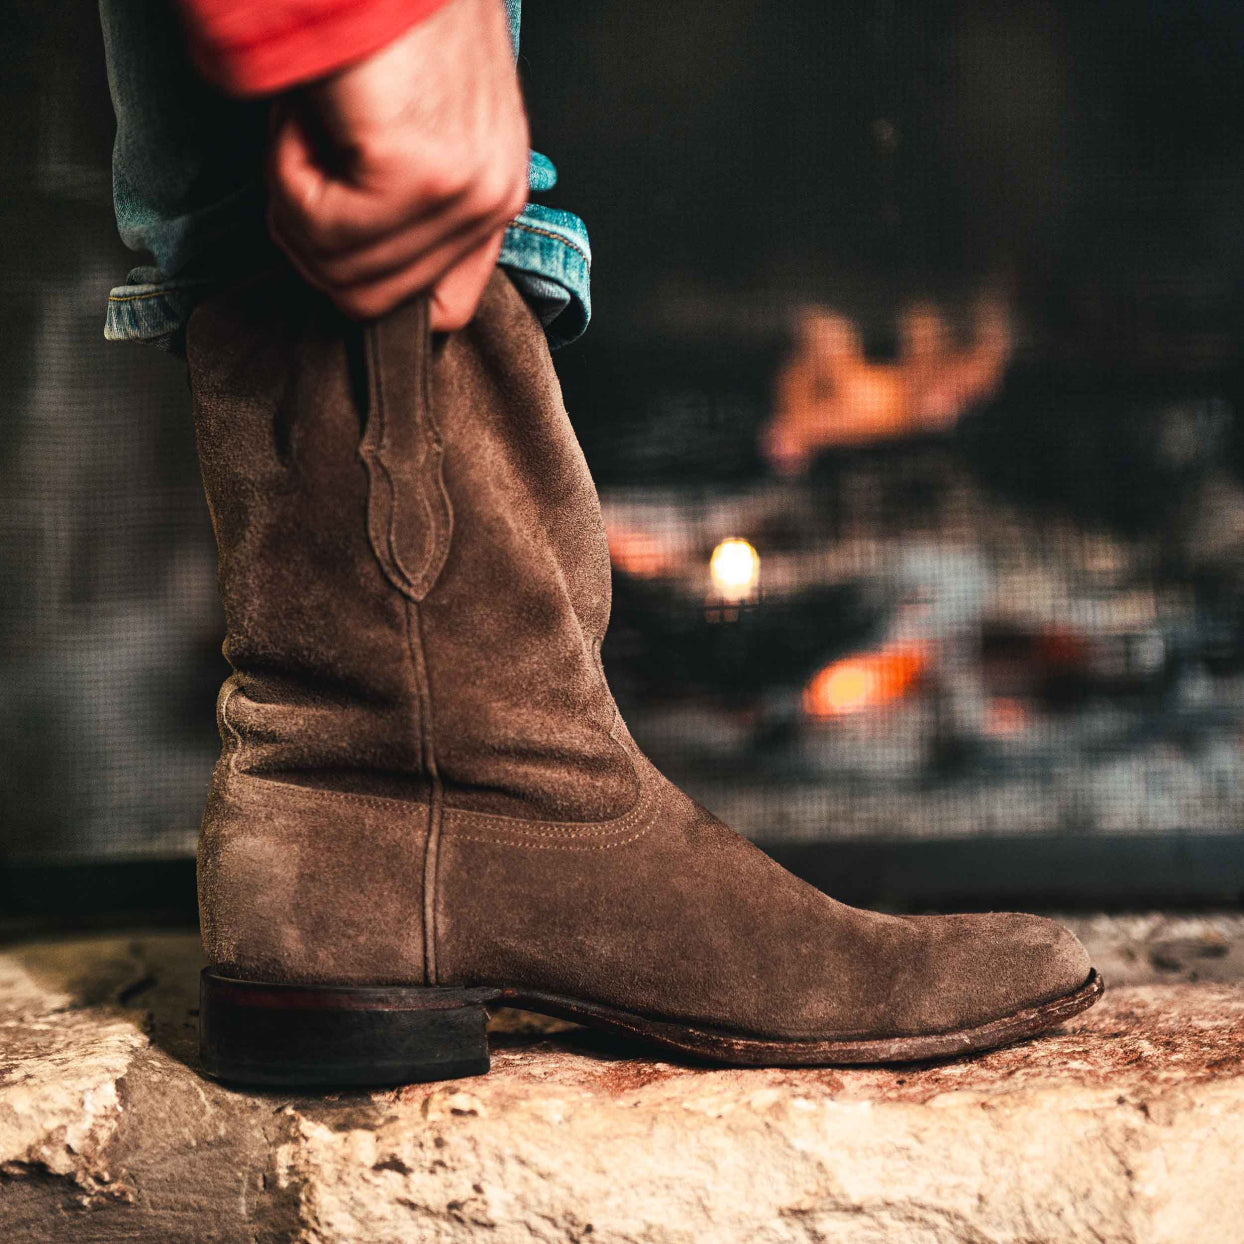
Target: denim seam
{"type": "Point", "coordinates": [155, 293]}
{"type": "Point", "coordinates": [555, 237]}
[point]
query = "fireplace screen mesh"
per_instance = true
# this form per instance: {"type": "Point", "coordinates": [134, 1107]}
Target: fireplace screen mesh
{"type": "Point", "coordinates": [913, 398]}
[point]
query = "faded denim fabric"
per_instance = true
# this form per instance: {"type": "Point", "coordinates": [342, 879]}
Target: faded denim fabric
{"type": "Point", "coordinates": [188, 189]}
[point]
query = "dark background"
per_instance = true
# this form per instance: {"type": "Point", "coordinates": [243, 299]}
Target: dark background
{"type": "Point", "coordinates": [733, 160]}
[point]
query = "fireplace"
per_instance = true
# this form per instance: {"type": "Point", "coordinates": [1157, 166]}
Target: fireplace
{"type": "Point", "coordinates": [916, 402]}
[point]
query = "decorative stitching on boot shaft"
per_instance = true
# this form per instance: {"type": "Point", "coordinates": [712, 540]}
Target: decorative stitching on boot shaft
{"type": "Point", "coordinates": [501, 830]}
{"type": "Point", "coordinates": [402, 452]}
{"type": "Point", "coordinates": [565, 835]}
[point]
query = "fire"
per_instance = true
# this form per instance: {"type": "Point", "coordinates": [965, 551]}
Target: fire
{"type": "Point", "coordinates": [637, 553]}
{"type": "Point", "coordinates": [865, 681]}
{"type": "Point", "coordinates": [828, 393]}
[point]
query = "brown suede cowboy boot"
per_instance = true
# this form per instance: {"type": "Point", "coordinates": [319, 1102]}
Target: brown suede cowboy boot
{"type": "Point", "coordinates": [427, 801]}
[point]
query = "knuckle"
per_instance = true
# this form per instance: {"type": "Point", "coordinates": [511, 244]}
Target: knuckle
{"type": "Point", "coordinates": [497, 185]}
{"type": "Point", "coordinates": [489, 193]}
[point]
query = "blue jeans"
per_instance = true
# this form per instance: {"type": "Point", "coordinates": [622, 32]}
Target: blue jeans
{"type": "Point", "coordinates": [188, 189]}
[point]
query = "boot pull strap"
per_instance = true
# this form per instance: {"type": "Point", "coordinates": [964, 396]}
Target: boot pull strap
{"type": "Point", "coordinates": [409, 517]}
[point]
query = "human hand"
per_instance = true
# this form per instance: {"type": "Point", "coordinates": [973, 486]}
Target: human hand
{"type": "Point", "coordinates": [397, 175]}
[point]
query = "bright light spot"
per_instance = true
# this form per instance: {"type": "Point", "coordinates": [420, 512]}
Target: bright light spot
{"type": "Point", "coordinates": [866, 681]}
{"type": "Point", "coordinates": [847, 688]}
{"type": "Point", "coordinates": [735, 569]}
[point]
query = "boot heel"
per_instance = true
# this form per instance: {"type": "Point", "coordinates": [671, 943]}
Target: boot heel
{"type": "Point", "coordinates": [341, 1035]}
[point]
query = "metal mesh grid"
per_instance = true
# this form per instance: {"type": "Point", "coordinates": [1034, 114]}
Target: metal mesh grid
{"type": "Point", "coordinates": [1027, 623]}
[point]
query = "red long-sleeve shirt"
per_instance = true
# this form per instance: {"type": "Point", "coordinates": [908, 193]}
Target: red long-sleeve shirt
{"type": "Point", "coordinates": [254, 47]}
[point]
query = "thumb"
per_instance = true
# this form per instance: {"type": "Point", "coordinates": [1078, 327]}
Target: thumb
{"type": "Point", "coordinates": [297, 178]}
{"type": "Point", "coordinates": [305, 194]}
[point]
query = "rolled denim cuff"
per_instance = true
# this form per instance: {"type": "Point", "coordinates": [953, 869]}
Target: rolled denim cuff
{"type": "Point", "coordinates": [546, 251]}
{"type": "Point", "coordinates": [153, 310]}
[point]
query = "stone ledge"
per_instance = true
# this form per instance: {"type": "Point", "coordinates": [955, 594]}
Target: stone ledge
{"type": "Point", "coordinates": [1126, 1126]}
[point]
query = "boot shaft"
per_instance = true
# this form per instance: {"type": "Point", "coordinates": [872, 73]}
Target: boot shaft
{"type": "Point", "coordinates": [412, 559]}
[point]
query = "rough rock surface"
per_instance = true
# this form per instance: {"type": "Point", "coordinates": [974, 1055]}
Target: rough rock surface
{"type": "Point", "coordinates": [1126, 1126]}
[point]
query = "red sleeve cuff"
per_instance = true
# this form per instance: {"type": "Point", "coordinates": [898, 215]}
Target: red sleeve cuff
{"type": "Point", "coordinates": [257, 49]}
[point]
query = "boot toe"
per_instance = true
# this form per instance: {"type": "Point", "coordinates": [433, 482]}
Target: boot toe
{"type": "Point", "coordinates": [1035, 960]}
{"type": "Point", "coordinates": [983, 967]}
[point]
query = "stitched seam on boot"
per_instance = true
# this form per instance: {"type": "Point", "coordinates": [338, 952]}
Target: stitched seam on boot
{"type": "Point", "coordinates": [293, 789]}
{"type": "Point", "coordinates": [232, 683]}
{"type": "Point", "coordinates": [410, 806]}
{"type": "Point", "coordinates": [519, 827]}
{"type": "Point", "coordinates": [551, 829]}
{"type": "Point", "coordinates": [383, 502]}
{"type": "Point", "coordinates": [611, 845]}
{"type": "Point", "coordinates": [436, 801]}
{"type": "Point", "coordinates": [597, 836]}
{"type": "Point", "coordinates": [513, 832]}
{"type": "Point", "coordinates": [425, 472]}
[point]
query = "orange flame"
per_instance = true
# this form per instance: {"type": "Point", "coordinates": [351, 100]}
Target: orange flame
{"type": "Point", "coordinates": [828, 393]}
{"type": "Point", "coordinates": [865, 681]}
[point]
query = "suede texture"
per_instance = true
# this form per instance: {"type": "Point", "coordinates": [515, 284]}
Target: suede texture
{"type": "Point", "coordinates": [424, 776]}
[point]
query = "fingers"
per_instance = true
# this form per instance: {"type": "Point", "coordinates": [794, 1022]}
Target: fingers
{"type": "Point", "coordinates": [457, 294]}
{"type": "Point", "coordinates": [396, 175]}
{"type": "Point", "coordinates": [369, 250]}
{"type": "Point", "coordinates": [374, 298]}
{"type": "Point", "coordinates": [414, 236]}
{"type": "Point", "coordinates": [326, 216]}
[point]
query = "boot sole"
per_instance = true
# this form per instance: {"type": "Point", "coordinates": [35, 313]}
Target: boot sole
{"type": "Point", "coordinates": [274, 1034]}
{"type": "Point", "coordinates": [739, 1051]}
{"type": "Point", "coordinates": [343, 1035]}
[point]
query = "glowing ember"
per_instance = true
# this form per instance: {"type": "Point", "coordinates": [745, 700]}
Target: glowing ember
{"type": "Point", "coordinates": [637, 553]}
{"type": "Point", "coordinates": [865, 681]}
{"type": "Point", "coordinates": [735, 569]}
{"type": "Point", "coordinates": [1005, 716]}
